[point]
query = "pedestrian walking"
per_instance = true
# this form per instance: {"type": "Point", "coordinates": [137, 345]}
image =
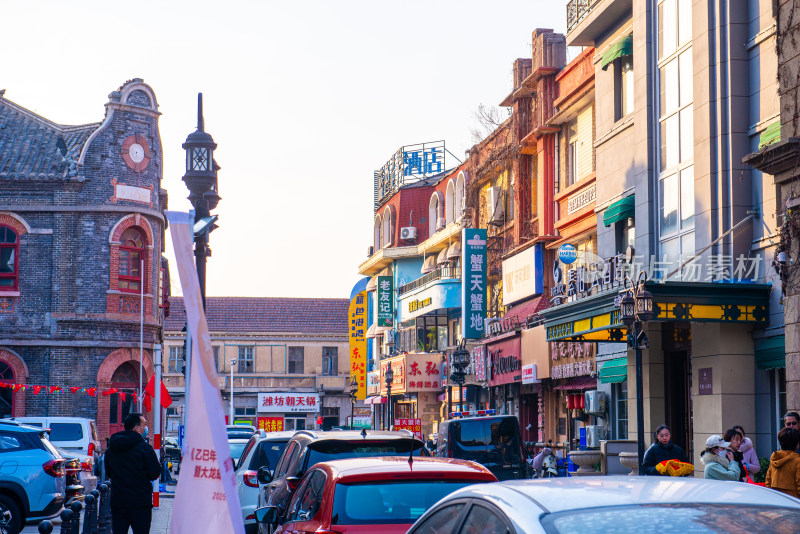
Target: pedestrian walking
{"type": "Point", "coordinates": [735, 439]}
{"type": "Point", "coordinates": [748, 452]}
{"type": "Point", "coordinates": [131, 465]}
{"type": "Point", "coordinates": [784, 465]}
{"type": "Point", "coordinates": [718, 460]}
{"type": "Point", "coordinates": [661, 449]}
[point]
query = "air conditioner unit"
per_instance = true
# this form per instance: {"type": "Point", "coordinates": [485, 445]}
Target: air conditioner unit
{"type": "Point", "coordinates": [495, 205]}
{"type": "Point", "coordinates": [441, 222]}
{"type": "Point", "coordinates": [594, 435]}
{"type": "Point", "coordinates": [595, 402]}
{"type": "Point", "coordinates": [409, 232]}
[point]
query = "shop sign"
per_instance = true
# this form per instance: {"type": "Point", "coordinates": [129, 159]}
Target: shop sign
{"type": "Point", "coordinates": [424, 372]}
{"type": "Point", "coordinates": [503, 362]}
{"type": "Point", "coordinates": [567, 253]}
{"type": "Point", "coordinates": [529, 374]}
{"type": "Point", "coordinates": [373, 382]}
{"type": "Point", "coordinates": [570, 359]}
{"type": "Point", "coordinates": [357, 314]}
{"type": "Point", "coordinates": [414, 425]}
{"type": "Point", "coordinates": [288, 402]}
{"type": "Point", "coordinates": [503, 325]}
{"type": "Point", "coordinates": [385, 301]}
{"type": "Point", "coordinates": [582, 199]}
{"type": "Point", "coordinates": [706, 385]}
{"type": "Point", "coordinates": [270, 424]}
{"type": "Point", "coordinates": [415, 305]}
{"type": "Point", "coordinates": [478, 362]}
{"type": "Point", "coordinates": [473, 286]}
{"type": "Point", "coordinates": [522, 275]}
{"type": "Point", "coordinates": [360, 421]}
{"type": "Point", "coordinates": [398, 378]}
{"type": "Point", "coordinates": [410, 163]}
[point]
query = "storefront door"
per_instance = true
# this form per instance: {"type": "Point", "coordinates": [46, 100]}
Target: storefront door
{"type": "Point", "coordinates": [678, 401]}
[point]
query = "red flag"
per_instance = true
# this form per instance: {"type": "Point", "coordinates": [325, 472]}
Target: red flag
{"type": "Point", "coordinates": [53, 389]}
{"type": "Point", "coordinates": [91, 391]}
{"type": "Point", "coordinates": [17, 387]}
{"type": "Point", "coordinates": [111, 391]}
{"type": "Point", "coordinates": [74, 389]}
{"type": "Point", "coordinates": [150, 391]}
{"type": "Point", "coordinates": [37, 389]}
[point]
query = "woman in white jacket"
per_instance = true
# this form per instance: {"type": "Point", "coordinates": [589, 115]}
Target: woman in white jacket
{"type": "Point", "coordinates": [749, 452]}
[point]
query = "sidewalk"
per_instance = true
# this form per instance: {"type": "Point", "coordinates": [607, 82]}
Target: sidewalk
{"type": "Point", "coordinates": [160, 524]}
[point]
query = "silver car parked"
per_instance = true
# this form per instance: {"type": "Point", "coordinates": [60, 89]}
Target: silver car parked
{"type": "Point", "coordinates": [621, 504]}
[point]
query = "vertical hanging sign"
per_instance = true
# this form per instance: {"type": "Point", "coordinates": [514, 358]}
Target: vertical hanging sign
{"type": "Point", "coordinates": [358, 342]}
{"type": "Point", "coordinates": [473, 282]}
{"type": "Point", "coordinates": [385, 301]}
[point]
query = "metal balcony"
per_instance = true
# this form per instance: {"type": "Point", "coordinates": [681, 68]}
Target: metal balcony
{"type": "Point", "coordinates": [577, 11]}
{"type": "Point", "coordinates": [442, 273]}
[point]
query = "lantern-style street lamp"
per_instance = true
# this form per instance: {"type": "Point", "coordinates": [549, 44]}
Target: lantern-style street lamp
{"type": "Point", "coordinates": [389, 378]}
{"type": "Point", "coordinates": [353, 392]}
{"type": "Point", "coordinates": [460, 360]}
{"type": "Point", "coordinates": [636, 308]}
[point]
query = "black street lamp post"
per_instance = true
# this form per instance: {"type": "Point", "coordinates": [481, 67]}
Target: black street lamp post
{"type": "Point", "coordinates": [389, 379]}
{"type": "Point", "coordinates": [353, 392]}
{"type": "Point", "coordinates": [201, 180]}
{"type": "Point", "coordinates": [460, 361]}
{"type": "Point", "coordinates": [636, 309]}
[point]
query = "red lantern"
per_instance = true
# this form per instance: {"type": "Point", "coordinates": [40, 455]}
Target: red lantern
{"type": "Point", "coordinates": [570, 403]}
{"type": "Point", "coordinates": [319, 420]}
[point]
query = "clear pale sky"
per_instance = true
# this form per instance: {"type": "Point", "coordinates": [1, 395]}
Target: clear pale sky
{"type": "Point", "coordinates": [305, 100]}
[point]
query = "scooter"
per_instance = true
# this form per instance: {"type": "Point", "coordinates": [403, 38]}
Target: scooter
{"type": "Point", "coordinates": [548, 462]}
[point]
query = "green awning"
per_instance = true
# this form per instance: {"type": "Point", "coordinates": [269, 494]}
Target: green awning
{"type": "Point", "coordinates": [771, 135]}
{"type": "Point", "coordinates": [614, 371]}
{"type": "Point", "coordinates": [771, 352]}
{"type": "Point", "coordinates": [619, 210]}
{"type": "Point", "coordinates": [623, 47]}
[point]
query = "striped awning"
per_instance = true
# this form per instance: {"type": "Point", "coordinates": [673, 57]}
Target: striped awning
{"type": "Point", "coordinates": [622, 47]}
{"type": "Point", "coordinates": [428, 265]}
{"type": "Point", "coordinates": [614, 371]}
{"type": "Point", "coordinates": [619, 210]}
{"type": "Point", "coordinates": [454, 251]}
{"type": "Point", "coordinates": [771, 352]}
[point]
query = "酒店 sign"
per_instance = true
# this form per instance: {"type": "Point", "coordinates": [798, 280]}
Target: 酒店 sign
{"type": "Point", "coordinates": [288, 402]}
{"type": "Point", "coordinates": [522, 275]}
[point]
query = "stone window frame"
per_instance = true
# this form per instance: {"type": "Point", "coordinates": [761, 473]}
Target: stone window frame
{"type": "Point", "coordinates": [331, 353]}
{"type": "Point", "coordinates": [18, 225]}
{"type": "Point", "coordinates": [295, 356]}
{"type": "Point", "coordinates": [114, 293]}
{"type": "Point", "coordinates": [14, 247]}
{"type": "Point", "coordinates": [130, 278]}
{"type": "Point", "coordinates": [246, 360]}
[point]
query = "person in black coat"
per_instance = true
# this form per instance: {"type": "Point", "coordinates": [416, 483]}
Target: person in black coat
{"type": "Point", "coordinates": [132, 465]}
{"type": "Point", "coordinates": [661, 449]}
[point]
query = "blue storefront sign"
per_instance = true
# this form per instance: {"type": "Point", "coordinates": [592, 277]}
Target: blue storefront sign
{"type": "Point", "coordinates": [567, 253]}
{"type": "Point", "coordinates": [473, 286]}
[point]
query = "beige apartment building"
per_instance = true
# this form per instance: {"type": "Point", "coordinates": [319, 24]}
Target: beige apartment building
{"type": "Point", "coordinates": [291, 360]}
{"type": "Point", "coordinates": [683, 91]}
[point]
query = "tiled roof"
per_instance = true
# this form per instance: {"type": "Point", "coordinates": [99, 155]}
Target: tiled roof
{"type": "Point", "coordinates": [29, 145]}
{"type": "Point", "coordinates": [267, 315]}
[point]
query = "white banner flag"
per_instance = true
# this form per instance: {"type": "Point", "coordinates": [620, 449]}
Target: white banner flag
{"type": "Point", "coordinates": [206, 499]}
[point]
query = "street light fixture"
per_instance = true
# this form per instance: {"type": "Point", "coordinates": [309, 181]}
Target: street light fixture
{"type": "Point", "coordinates": [233, 362]}
{"type": "Point", "coordinates": [353, 393]}
{"type": "Point", "coordinates": [460, 361]}
{"type": "Point", "coordinates": [389, 377]}
{"type": "Point", "coordinates": [636, 308]}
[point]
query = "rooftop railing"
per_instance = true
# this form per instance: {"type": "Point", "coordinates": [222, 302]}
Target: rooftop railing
{"type": "Point", "coordinates": [441, 273]}
{"type": "Point", "coordinates": [577, 11]}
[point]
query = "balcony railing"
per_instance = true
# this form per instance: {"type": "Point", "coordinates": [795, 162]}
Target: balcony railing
{"type": "Point", "coordinates": [441, 273]}
{"type": "Point", "coordinates": [577, 11]}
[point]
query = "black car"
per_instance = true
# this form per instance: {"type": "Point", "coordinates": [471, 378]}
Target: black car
{"type": "Point", "coordinates": [307, 448]}
{"type": "Point", "coordinates": [492, 441]}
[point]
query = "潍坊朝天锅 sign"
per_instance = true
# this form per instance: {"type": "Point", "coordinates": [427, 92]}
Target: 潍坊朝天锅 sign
{"type": "Point", "coordinates": [288, 402]}
{"type": "Point", "coordinates": [473, 282]}
{"type": "Point", "coordinates": [385, 296]}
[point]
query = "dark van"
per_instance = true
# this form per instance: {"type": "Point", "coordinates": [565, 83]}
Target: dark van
{"type": "Point", "coordinates": [492, 441]}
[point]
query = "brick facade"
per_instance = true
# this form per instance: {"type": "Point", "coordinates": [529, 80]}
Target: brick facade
{"type": "Point", "coordinates": [69, 199]}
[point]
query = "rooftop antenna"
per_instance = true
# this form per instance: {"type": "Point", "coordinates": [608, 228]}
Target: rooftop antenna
{"type": "Point", "coordinates": [200, 122]}
{"type": "Point", "coordinates": [411, 456]}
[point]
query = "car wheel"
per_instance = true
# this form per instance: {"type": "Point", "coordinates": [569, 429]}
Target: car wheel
{"type": "Point", "coordinates": [10, 515]}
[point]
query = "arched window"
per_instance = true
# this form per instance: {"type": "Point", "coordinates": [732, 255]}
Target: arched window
{"type": "Point", "coordinates": [6, 395]}
{"type": "Point", "coordinates": [387, 227]}
{"type": "Point", "coordinates": [9, 259]}
{"type": "Point", "coordinates": [449, 203]}
{"type": "Point", "coordinates": [433, 214]}
{"type": "Point", "coordinates": [377, 233]}
{"type": "Point", "coordinates": [131, 255]}
{"type": "Point", "coordinates": [461, 180]}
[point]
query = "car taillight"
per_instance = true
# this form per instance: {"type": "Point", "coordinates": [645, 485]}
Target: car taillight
{"type": "Point", "coordinates": [325, 531]}
{"type": "Point", "coordinates": [54, 468]}
{"type": "Point", "coordinates": [250, 479]}
{"type": "Point", "coordinates": [90, 452]}
{"type": "Point", "coordinates": [86, 466]}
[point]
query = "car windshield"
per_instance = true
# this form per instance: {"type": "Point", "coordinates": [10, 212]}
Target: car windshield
{"type": "Point", "coordinates": [388, 502]}
{"type": "Point", "coordinates": [236, 449]}
{"type": "Point", "coordinates": [267, 454]}
{"type": "Point", "coordinates": [674, 518]}
{"type": "Point", "coordinates": [487, 441]}
{"type": "Point", "coordinates": [323, 451]}
{"type": "Point", "coordinates": [239, 434]}
{"type": "Point", "coordinates": [66, 431]}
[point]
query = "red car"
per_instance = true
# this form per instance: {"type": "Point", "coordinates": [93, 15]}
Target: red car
{"type": "Point", "coordinates": [369, 495]}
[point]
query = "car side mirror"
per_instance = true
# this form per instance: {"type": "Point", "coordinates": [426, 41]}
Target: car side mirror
{"type": "Point", "coordinates": [264, 475]}
{"type": "Point", "coordinates": [267, 515]}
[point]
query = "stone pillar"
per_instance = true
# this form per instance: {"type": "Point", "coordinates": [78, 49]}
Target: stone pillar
{"type": "Point", "coordinates": [652, 383]}
{"type": "Point", "coordinates": [726, 349]}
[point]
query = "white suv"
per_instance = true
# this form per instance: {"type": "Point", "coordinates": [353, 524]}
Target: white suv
{"type": "Point", "coordinates": [74, 434]}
